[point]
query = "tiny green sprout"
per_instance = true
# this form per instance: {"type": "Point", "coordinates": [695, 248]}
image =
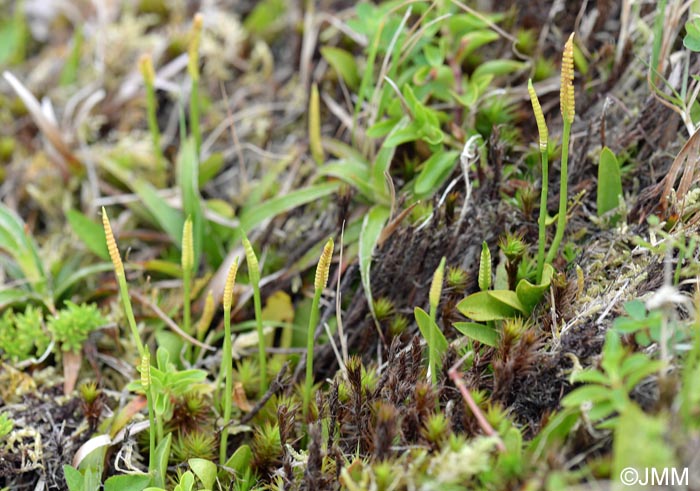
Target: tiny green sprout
{"type": "Point", "coordinates": [89, 392]}
{"type": "Point", "coordinates": [398, 325]}
{"type": "Point", "coordinates": [513, 246]}
{"type": "Point", "coordinates": [6, 424]}
{"type": "Point", "coordinates": [254, 275]}
{"type": "Point", "coordinates": [194, 445]}
{"type": "Point", "coordinates": [385, 475]}
{"type": "Point", "coordinates": [436, 429]}
{"type": "Point", "coordinates": [247, 373]}
{"type": "Point", "coordinates": [526, 198]}
{"type": "Point", "coordinates": [456, 278]}
{"type": "Point", "coordinates": [514, 327]}
{"type": "Point", "coordinates": [266, 444]}
{"type": "Point", "coordinates": [320, 283]}
{"type": "Point", "coordinates": [496, 416]}
{"type": "Point", "coordinates": [383, 308]}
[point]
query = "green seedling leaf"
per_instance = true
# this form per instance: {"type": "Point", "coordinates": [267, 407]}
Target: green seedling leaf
{"type": "Point", "coordinates": [434, 55]}
{"type": "Point", "coordinates": [240, 459]}
{"type": "Point", "coordinates": [434, 172]}
{"type": "Point", "coordinates": [205, 470]}
{"type": "Point", "coordinates": [484, 306]}
{"type": "Point", "coordinates": [343, 63]}
{"type": "Point", "coordinates": [530, 295]}
{"type": "Point", "coordinates": [476, 39]}
{"type": "Point", "coordinates": [186, 482]}
{"type": "Point", "coordinates": [162, 456]}
{"type": "Point", "coordinates": [74, 478]}
{"type": "Point", "coordinates": [430, 330]}
{"type": "Point", "coordinates": [586, 394]}
{"type": "Point", "coordinates": [692, 35]}
{"type": "Point", "coordinates": [91, 233]}
{"type": "Point", "coordinates": [13, 36]}
{"type": "Point", "coordinates": [20, 246]}
{"type": "Point", "coordinates": [509, 298]}
{"type": "Point", "coordinates": [485, 267]}
{"type": "Point", "coordinates": [553, 434]}
{"type": "Point", "coordinates": [479, 332]}
{"type": "Point", "coordinates": [210, 168]}
{"type": "Point", "coordinates": [168, 218]}
{"type": "Point", "coordinates": [354, 172]}
{"type": "Point", "coordinates": [188, 181]}
{"type": "Point", "coordinates": [372, 227]}
{"type": "Point", "coordinates": [609, 182]}
{"type": "Point", "coordinates": [65, 282]}
{"type": "Point", "coordinates": [70, 70]}
{"type": "Point", "coordinates": [498, 68]}
{"type": "Point", "coordinates": [382, 128]}
{"type": "Point", "coordinates": [129, 482]}
{"type": "Point", "coordinates": [13, 296]}
{"type": "Point", "coordinates": [250, 217]}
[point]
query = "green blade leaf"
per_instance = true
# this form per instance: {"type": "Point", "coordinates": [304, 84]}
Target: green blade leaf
{"type": "Point", "coordinates": [530, 295]}
{"type": "Point", "coordinates": [250, 217]}
{"type": "Point", "coordinates": [430, 331]}
{"type": "Point", "coordinates": [129, 482]}
{"type": "Point", "coordinates": [434, 172]}
{"type": "Point", "coordinates": [188, 180]}
{"type": "Point", "coordinates": [344, 63]}
{"type": "Point", "coordinates": [168, 218]}
{"type": "Point", "coordinates": [485, 306]}
{"type": "Point", "coordinates": [479, 332]}
{"type": "Point", "coordinates": [372, 227]}
{"type": "Point", "coordinates": [609, 182]}
{"type": "Point", "coordinates": [91, 233]}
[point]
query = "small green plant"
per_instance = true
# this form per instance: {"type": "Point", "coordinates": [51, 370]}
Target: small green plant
{"type": "Point", "coordinates": [121, 280]}
{"type": "Point", "coordinates": [22, 336]}
{"type": "Point", "coordinates": [607, 390]}
{"type": "Point", "coordinates": [73, 323]}
{"type": "Point", "coordinates": [320, 283]}
{"type": "Point", "coordinates": [6, 425]}
{"type": "Point", "coordinates": [147, 387]}
{"type": "Point", "coordinates": [609, 183]}
{"type": "Point", "coordinates": [226, 362]}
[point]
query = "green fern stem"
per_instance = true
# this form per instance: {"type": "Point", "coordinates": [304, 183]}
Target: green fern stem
{"type": "Point", "coordinates": [561, 219]}
{"type": "Point", "coordinates": [228, 366]}
{"type": "Point", "coordinates": [543, 216]}
{"type": "Point", "coordinates": [309, 379]}
{"type": "Point", "coordinates": [261, 337]}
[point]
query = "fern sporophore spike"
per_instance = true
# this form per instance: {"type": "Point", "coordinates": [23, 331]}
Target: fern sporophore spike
{"type": "Point", "coordinates": [539, 117]}
{"type": "Point", "coordinates": [566, 93]}
{"type": "Point", "coordinates": [112, 245]}
{"type": "Point", "coordinates": [187, 245]}
{"type": "Point", "coordinates": [436, 287]}
{"type": "Point", "coordinates": [193, 48]}
{"type": "Point", "coordinates": [252, 260]}
{"type": "Point", "coordinates": [230, 281]}
{"type": "Point", "coordinates": [146, 370]}
{"type": "Point", "coordinates": [324, 266]}
{"type": "Point", "coordinates": [320, 282]}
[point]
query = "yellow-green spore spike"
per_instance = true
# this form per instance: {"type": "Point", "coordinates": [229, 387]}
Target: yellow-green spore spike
{"type": "Point", "coordinates": [566, 93]}
{"type": "Point", "coordinates": [539, 117]}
